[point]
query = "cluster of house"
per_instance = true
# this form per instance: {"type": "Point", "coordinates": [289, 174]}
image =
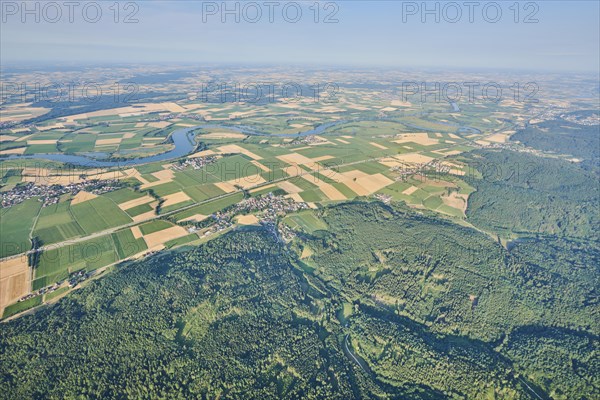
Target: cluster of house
{"type": "Point", "coordinates": [51, 194]}
{"type": "Point", "coordinates": [284, 232]}
{"type": "Point", "coordinates": [195, 163]}
{"type": "Point", "coordinates": [384, 198]}
{"type": "Point", "coordinates": [74, 279]}
{"type": "Point", "coordinates": [590, 120]}
{"type": "Point", "coordinates": [9, 124]}
{"type": "Point", "coordinates": [168, 117]}
{"type": "Point", "coordinates": [306, 140]}
{"type": "Point", "coordinates": [268, 208]}
{"type": "Point", "coordinates": [402, 172]}
{"type": "Point", "coordinates": [78, 277]}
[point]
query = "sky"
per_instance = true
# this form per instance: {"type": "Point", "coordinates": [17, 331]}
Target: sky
{"type": "Point", "coordinates": [542, 35]}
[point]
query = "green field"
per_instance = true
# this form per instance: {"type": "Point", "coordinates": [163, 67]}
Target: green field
{"type": "Point", "coordinates": [58, 263]}
{"type": "Point", "coordinates": [99, 214]}
{"type": "Point", "coordinates": [154, 226]}
{"type": "Point", "coordinates": [56, 224]}
{"type": "Point", "coordinates": [127, 245]}
{"type": "Point", "coordinates": [17, 222]}
{"type": "Point", "coordinates": [305, 220]}
{"type": "Point", "coordinates": [22, 306]}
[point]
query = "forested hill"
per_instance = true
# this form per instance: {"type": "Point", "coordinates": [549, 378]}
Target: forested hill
{"type": "Point", "coordinates": [392, 304]}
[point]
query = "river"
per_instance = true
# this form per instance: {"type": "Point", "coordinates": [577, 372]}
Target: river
{"type": "Point", "coordinates": [184, 142]}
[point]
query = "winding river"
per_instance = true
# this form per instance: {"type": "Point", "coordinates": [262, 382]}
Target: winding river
{"type": "Point", "coordinates": [184, 142]}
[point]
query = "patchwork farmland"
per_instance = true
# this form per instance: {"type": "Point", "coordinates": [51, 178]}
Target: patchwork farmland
{"type": "Point", "coordinates": [165, 204]}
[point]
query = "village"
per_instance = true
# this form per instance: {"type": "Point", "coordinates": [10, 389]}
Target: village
{"type": "Point", "coordinates": [268, 209]}
{"type": "Point", "coordinates": [49, 195]}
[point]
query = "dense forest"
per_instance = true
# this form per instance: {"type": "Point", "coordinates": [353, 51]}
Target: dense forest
{"type": "Point", "coordinates": [391, 303]}
{"type": "Point", "coordinates": [564, 137]}
{"type": "Point", "coordinates": [521, 194]}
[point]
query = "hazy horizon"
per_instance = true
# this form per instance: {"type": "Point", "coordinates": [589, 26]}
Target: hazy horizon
{"type": "Point", "coordinates": [366, 34]}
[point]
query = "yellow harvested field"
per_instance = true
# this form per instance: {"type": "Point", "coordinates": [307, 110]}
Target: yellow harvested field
{"type": "Point", "coordinates": [348, 137]}
{"type": "Point", "coordinates": [233, 148]}
{"type": "Point", "coordinates": [175, 198]}
{"type": "Point", "coordinates": [498, 138]}
{"type": "Point", "coordinates": [82, 196]}
{"type": "Point", "coordinates": [223, 135]}
{"type": "Point", "coordinates": [31, 142]}
{"type": "Point", "coordinates": [249, 219]}
{"type": "Point", "coordinates": [373, 183]}
{"type": "Point", "coordinates": [288, 105]}
{"type": "Point", "coordinates": [134, 173]}
{"type": "Point", "coordinates": [398, 103]}
{"type": "Point", "coordinates": [259, 165]}
{"type": "Point", "coordinates": [330, 109]}
{"type": "Point", "coordinates": [7, 138]}
{"type": "Point", "coordinates": [226, 187]}
{"type": "Point", "coordinates": [140, 124]}
{"type": "Point", "coordinates": [173, 107]}
{"type": "Point", "coordinates": [159, 124]}
{"type": "Point", "coordinates": [355, 173]}
{"type": "Point", "coordinates": [295, 159]}
{"type": "Point", "coordinates": [142, 108]}
{"type": "Point", "coordinates": [137, 233]}
{"type": "Point", "coordinates": [258, 189]}
{"type": "Point", "coordinates": [13, 266]}
{"type": "Point", "coordinates": [356, 187]}
{"type": "Point", "coordinates": [110, 175]}
{"type": "Point", "coordinates": [414, 158]}
{"type": "Point", "coordinates": [447, 153]}
{"type": "Point", "coordinates": [195, 217]}
{"type": "Point", "coordinates": [306, 252]}
{"type": "Point", "coordinates": [330, 191]}
{"type": "Point", "coordinates": [296, 197]}
{"type": "Point", "coordinates": [128, 135]}
{"type": "Point", "coordinates": [367, 184]}
{"type": "Point", "coordinates": [18, 150]}
{"type": "Point", "coordinates": [410, 190]}
{"type": "Point", "coordinates": [378, 145]}
{"type": "Point", "coordinates": [203, 153]}
{"type": "Point", "coordinates": [157, 238]}
{"type": "Point", "coordinates": [147, 215]}
{"type": "Point", "coordinates": [246, 182]}
{"type": "Point", "coordinates": [104, 142]}
{"type": "Point", "coordinates": [165, 175]}
{"type": "Point", "coordinates": [390, 162]}
{"type": "Point", "coordinates": [19, 112]}
{"type": "Point", "coordinates": [14, 280]}
{"type": "Point", "coordinates": [50, 127]}
{"type": "Point", "coordinates": [419, 138]}
{"type": "Point", "coordinates": [135, 202]}
{"type": "Point", "coordinates": [289, 187]}
{"type": "Point", "coordinates": [456, 200]}
{"type": "Point", "coordinates": [454, 136]}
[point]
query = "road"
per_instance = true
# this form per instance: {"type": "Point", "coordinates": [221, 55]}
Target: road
{"type": "Point", "coordinates": [356, 360]}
